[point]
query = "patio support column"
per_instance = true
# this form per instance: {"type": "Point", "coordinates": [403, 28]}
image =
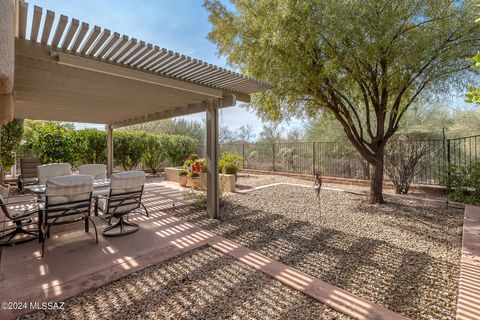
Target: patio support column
{"type": "Point", "coordinates": [212, 159]}
{"type": "Point", "coordinates": [109, 130]}
{"type": "Point", "coordinates": [7, 59]}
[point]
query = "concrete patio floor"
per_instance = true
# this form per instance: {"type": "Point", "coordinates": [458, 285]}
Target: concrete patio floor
{"type": "Point", "coordinates": [73, 263]}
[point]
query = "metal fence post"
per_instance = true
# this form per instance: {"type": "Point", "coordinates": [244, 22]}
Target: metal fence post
{"type": "Point", "coordinates": [243, 154]}
{"type": "Point", "coordinates": [313, 158]}
{"type": "Point", "coordinates": [448, 165]}
{"type": "Point", "coordinates": [273, 156]}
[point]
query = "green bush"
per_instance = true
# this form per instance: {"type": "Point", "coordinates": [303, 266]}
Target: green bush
{"type": "Point", "coordinates": [230, 161]}
{"type": "Point", "coordinates": [464, 182]}
{"type": "Point", "coordinates": [11, 135]}
{"type": "Point", "coordinates": [128, 149]}
{"type": "Point", "coordinates": [179, 148]}
{"type": "Point", "coordinates": [96, 151]}
{"type": "Point", "coordinates": [58, 142]}
{"type": "Point", "coordinates": [230, 168]}
{"type": "Point", "coordinates": [154, 152]}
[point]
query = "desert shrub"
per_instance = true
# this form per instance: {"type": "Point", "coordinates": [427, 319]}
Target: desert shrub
{"type": "Point", "coordinates": [403, 159]}
{"type": "Point", "coordinates": [179, 148]}
{"type": "Point", "coordinates": [285, 156]}
{"type": "Point", "coordinates": [128, 149]}
{"type": "Point", "coordinates": [154, 152]}
{"type": "Point", "coordinates": [464, 183]}
{"type": "Point", "coordinates": [253, 155]}
{"type": "Point", "coordinates": [96, 151]}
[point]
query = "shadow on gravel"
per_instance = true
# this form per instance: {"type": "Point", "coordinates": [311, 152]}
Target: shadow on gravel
{"type": "Point", "coordinates": [408, 282]}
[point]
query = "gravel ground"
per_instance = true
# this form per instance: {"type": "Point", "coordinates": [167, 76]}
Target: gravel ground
{"type": "Point", "coordinates": [202, 284]}
{"type": "Point", "coordinates": [403, 255]}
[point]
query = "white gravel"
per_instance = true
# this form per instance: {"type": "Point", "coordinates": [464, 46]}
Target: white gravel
{"type": "Point", "coordinates": [202, 284]}
{"type": "Point", "coordinates": [403, 255]}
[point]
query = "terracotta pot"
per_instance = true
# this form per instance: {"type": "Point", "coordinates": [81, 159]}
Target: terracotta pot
{"type": "Point", "coordinates": [182, 181]}
{"type": "Point", "coordinates": [194, 183]}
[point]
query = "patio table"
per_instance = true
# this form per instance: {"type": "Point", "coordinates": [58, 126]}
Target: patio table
{"type": "Point", "coordinates": [39, 190]}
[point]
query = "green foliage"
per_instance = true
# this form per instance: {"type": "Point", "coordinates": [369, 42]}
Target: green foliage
{"type": "Point", "coordinates": [128, 149]}
{"type": "Point", "coordinates": [230, 161]}
{"type": "Point", "coordinates": [464, 182]}
{"type": "Point", "coordinates": [364, 62]}
{"type": "Point", "coordinates": [96, 151]}
{"type": "Point", "coordinates": [57, 142]}
{"type": "Point", "coordinates": [154, 153]}
{"type": "Point", "coordinates": [11, 136]}
{"type": "Point", "coordinates": [193, 175]}
{"type": "Point", "coordinates": [230, 168]}
{"type": "Point", "coordinates": [182, 172]}
{"type": "Point", "coordinates": [473, 94]}
{"type": "Point", "coordinates": [193, 157]}
{"type": "Point", "coordinates": [179, 148]}
{"type": "Point", "coordinates": [180, 126]}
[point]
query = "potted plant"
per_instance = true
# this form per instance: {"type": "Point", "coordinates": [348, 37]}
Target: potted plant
{"type": "Point", "coordinates": [194, 178]}
{"type": "Point", "coordinates": [182, 177]}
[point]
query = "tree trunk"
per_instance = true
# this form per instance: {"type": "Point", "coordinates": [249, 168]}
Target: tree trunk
{"type": "Point", "coordinates": [376, 183]}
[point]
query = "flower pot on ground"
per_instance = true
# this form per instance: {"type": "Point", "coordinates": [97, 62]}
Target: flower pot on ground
{"type": "Point", "coordinates": [194, 178]}
{"type": "Point", "coordinates": [182, 177]}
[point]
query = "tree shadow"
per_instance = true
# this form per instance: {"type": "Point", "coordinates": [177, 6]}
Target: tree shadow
{"type": "Point", "coordinates": [403, 280]}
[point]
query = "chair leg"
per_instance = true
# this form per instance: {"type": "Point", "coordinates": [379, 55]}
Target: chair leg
{"type": "Point", "coordinates": [47, 232]}
{"type": "Point", "coordinates": [121, 223]}
{"type": "Point", "coordinates": [87, 217]}
{"type": "Point", "coordinates": [18, 231]}
{"type": "Point", "coordinates": [86, 225]}
{"type": "Point", "coordinates": [146, 211]}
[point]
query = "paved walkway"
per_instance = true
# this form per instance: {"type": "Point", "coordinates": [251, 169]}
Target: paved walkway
{"type": "Point", "coordinates": [74, 263]}
{"type": "Point", "coordinates": [469, 291]}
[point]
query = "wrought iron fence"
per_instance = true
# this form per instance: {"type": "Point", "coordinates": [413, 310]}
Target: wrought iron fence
{"type": "Point", "coordinates": [340, 159]}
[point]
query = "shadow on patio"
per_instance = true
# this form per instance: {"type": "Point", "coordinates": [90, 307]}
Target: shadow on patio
{"type": "Point", "coordinates": [74, 263]}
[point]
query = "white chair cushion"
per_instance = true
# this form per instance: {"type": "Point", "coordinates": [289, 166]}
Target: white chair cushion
{"type": "Point", "coordinates": [127, 181]}
{"type": "Point", "coordinates": [52, 170]}
{"type": "Point", "coordinates": [123, 182]}
{"type": "Point", "coordinates": [68, 188]}
{"type": "Point", "coordinates": [98, 171]}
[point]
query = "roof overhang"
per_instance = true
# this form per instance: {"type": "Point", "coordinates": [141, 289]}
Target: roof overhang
{"type": "Point", "coordinates": [108, 79]}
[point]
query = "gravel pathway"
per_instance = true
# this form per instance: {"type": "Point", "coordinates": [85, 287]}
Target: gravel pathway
{"type": "Point", "coordinates": [403, 255]}
{"type": "Point", "coordinates": [202, 284]}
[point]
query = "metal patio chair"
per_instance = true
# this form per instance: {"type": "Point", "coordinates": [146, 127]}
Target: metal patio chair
{"type": "Point", "coordinates": [68, 199]}
{"type": "Point", "coordinates": [125, 196]}
{"type": "Point", "coordinates": [18, 215]}
{"type": "Point", "coordinates": [28, 173]}
{"type": "Point", "coordinates": [51, 170]}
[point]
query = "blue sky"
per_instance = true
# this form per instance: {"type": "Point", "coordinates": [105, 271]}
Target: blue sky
{"type": "Point", "coordinates": [180, 26]}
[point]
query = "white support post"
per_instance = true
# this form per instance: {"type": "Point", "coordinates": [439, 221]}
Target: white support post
{"type": "Point", "coordinates": [109, 130]}
{"type": "Point", "coordinates": [212, 159]}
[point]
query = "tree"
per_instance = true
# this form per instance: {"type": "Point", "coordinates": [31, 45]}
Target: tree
{"type": "Point", "coordinates": [270, 131]}
{"type": "Point", "coordinates": [10, 137]}
{"type": "Point", "coordinates": [246, 134]}
{"type": "Point", "coordinates": [364, 62]}
{"type": "Point", "coordinates": [225, 135]}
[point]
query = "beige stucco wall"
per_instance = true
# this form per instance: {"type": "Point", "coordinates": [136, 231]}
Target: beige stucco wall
{"type": "Point", "coordinates": [7, 23]}
{"type": "Point", "coordinates": [7, 56]}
